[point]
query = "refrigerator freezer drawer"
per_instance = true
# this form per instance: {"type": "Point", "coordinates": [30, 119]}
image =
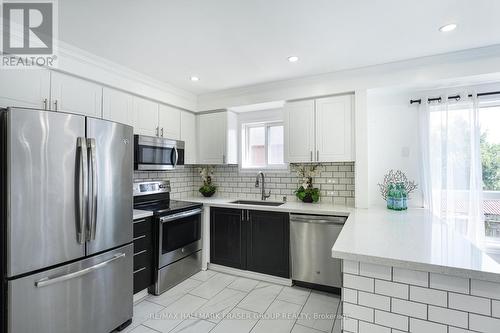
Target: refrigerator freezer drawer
{"type": "Point", "coordinates": [91, 295]}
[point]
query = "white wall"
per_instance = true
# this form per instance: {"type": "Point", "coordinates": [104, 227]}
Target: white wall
{"type": "Point", "coordinates": [393, 141]}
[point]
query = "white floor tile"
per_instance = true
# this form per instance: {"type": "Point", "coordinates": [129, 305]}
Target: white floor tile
{"type": "Point", "coordinates": [142, 312]}
{"type": "Point", "coordinates": [243, 284]}
{"type": "Point", "coordinates": [237, 321]}
{"type": "Point", "coordinates": [324, 307]}
{"type": "Point", "coordinates": [259, 299]}
{"type": "Point", "coordinates": [213, 286]}
{"type": "Point", "coordinates": [175, 313]}
{"type": "Point", "coordinates": [295, 295]}
{"type": "Point", "coordinates": [220, 305]}
{"type": "Point", "coordinates": [204, 275]}
{"type": "Point", "coordinates": [193, 325]}
{"type": "Point", "coordinates": [142, 329]}
{"type": "Point", "coordinates": [172, 295]}
{"type": "Point", "coordinates": [279, 318]}
{"type": "Point", "coordinates": [303, 329]}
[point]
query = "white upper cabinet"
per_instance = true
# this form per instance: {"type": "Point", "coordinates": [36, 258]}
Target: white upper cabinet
{"type": "Point", "coordinates": [169, 122]}
{"type": "Point", "coordinates": [334, 134]}
{"type": "Point", "coordinates": [25, 88]}
{"type": "Point", "coordinates": [320, 130]}
{"type": "Point", "coordinates": [117, 106]}
{"type": "Point", "coordinates": [217, 138]}
{"type": "Point", "coordinates": [145, 117]}
{"type": "Point", "coordinates": [299, 131]}
{"type": "Point", "coordinates": [188, 135]}
{"type": "Point", "coordinates": [71, 94]}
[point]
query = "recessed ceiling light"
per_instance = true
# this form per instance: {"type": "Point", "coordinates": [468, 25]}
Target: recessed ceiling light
{"type": "Point", "coordinates": [195, 78]}
{"type": "Point", "coordinates": [448, 27]}
{"type": "Point", "coordinates": [293, 59]}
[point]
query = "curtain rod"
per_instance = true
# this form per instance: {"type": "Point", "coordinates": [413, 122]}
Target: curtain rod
{"type": "Point", "coordinates": [455, 97]}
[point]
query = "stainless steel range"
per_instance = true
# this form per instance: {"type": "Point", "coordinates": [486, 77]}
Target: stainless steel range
{"type": "Point", "coordinates": [177, 233]}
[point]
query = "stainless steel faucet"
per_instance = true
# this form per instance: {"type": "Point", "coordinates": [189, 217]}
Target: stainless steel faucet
{"type": "Point", "coordinates": [264, 195]}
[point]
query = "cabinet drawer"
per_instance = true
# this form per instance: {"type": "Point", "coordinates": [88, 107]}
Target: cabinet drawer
{"type": "Point", "coordinates": [142, 226]}
{"type": "Point", "coordinates": [143, 258]}
{"type": "Point", "coordinates": [143, 278]}
{"type": "Point", "coordinates": [143, 242]}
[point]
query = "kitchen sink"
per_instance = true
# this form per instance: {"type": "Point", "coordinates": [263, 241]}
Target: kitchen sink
{"type": "Point", "coordinates": [256, 202]}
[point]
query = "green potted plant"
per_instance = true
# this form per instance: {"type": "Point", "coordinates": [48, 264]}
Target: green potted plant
{"type": "Point", "coordinates": [306, 192]}
{"type": "Point", "coordinates": [207, 189]}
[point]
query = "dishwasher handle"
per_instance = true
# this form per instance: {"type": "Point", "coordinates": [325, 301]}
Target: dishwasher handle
{"type": "Point", "coordinates": [320, 219]}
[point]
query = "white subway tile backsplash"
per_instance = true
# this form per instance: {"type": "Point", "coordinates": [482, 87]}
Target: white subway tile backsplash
{"type": "Point", "coordinates": [408, 308]}
{"type": "Point", "coordinates": [470, 303]}
{"type": "Point", "coordinates": [350, 295]}
{"type": "Point", "coordinates": [357, 312]}
{"type": "Point", "coordinates": [448, 316]}
{"type": "Point", "coordinates": [422, 326]}
{"type": "Point", "coordinates": [351, 267]}
{"type": "Point", "coordinates": [450, 283]}
{"type": "Point", "coordinates": [495, 308]}
{"type": "Point", "coordinates": [372, 328]}
{"type": "Point", "coordinates": [358, 282]}
{"type": "Point", "coordinates": [485, 289]}
{"type": "Point", "coordinates": [392, 289]}
{"type": "Point", "coordinates": [408, 276]}
{"type": "Point", "coordinates": [391, 319]}
{"type": "Point", "coordinates": [429, 296]}
{"type": "Point", "coordinates": [375, 271]}
{"type": "Point", "coordinates": [350, 325]}
{"type": "Point", "coordinates": [374, 301]}
{"type": "Point", "coordinates": [484, 324]}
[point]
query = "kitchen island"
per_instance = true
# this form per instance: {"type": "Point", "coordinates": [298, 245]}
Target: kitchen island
{"type": "Point", "coordinates": [409, 272]}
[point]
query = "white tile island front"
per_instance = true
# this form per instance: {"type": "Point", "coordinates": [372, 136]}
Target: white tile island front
{"type": "Point", "coordinates": [409, 272]}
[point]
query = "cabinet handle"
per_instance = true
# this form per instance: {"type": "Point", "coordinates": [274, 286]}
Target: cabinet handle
{"type": "Point", "coordinates": [317, 155]}
{"type": "Point", "coordinates": [157, 131]}
{"type": "Point", "coordinates": [139, 270]}
{"type": "Point", "coordinates": [311, 155]}
{"type": "Point", "coordinates": [139, 237]}
{"type": "Point", "coordinates": [45, 104]}
{"type": "Point", "coordinates": [55, 105]}
{"type": "Point", "coordinates": [162, 132]}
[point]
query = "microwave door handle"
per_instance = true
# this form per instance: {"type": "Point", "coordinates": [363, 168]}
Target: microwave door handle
{"type": "Point", "coordinates": [82, 189]}
{"type": "Point", "coordinates": [176, 157]}
{"type": "Point", "coordinates": [94, 193]}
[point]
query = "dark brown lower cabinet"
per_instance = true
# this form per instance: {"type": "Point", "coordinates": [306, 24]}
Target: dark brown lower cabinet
{"type": "Point", "coordinates": [252, 240]}
{"type": "Point", "coordinates": [143, 254]}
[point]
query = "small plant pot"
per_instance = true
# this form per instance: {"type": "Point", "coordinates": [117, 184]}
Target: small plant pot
{"type": "Point", "coordinates": [308, 199]}
{"type": "Point", "coordinates": [207, 194]}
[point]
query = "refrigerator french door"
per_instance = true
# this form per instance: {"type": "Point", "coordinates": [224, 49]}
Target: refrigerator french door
{"type": "Point", "coordinates": [67, 213]}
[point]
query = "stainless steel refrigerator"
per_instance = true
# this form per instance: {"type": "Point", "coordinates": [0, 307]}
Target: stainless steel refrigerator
{"type": "Point", "coordinates": [66, 223]}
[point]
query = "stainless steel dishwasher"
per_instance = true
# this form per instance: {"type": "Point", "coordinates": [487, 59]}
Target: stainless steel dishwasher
{"type": "Point", "coordinates": [311, 241]}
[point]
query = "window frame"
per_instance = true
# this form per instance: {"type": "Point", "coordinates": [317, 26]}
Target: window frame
{"type": "Point", "coordinates": [245, 132]}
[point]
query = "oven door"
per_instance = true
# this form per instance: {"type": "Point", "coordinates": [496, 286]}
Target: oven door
{"type": "Point", "coordinates": [152, 153]}
{"type": "Point", "coordinates": [179, 236]}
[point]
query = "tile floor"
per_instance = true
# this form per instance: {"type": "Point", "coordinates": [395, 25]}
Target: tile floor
{"type": "Point", "coordinates": [217, 302]}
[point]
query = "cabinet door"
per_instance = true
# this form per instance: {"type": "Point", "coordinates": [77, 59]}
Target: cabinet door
{"type": "Point", "coordinates": [188, 135]}
{"type": "Point", "coordinates": [268, 239]}
{"type": "Point", "coordinates": [145, 117]}
{"type": "Point", "coordinates": [24, 88]}
{"type": "Point", "coordinates": [75, 95]}
{"type": "Point", "coordinates": [143, 254]}
{"type": "Point", "coordinates": [117, 106]}
{"type": "Point", "coordinates": [212, 128]}
{"type": "Point", "coordinates": [169, 120]}
{"type": "Point", "coordinates": [299, 131]}
{"type": "Point", "coordinates": [227, 238]}
{"type": "Point", "coordinates": [334, 141]}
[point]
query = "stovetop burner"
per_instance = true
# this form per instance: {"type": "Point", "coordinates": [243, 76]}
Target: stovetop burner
{"type": "Point", "coordinates": [155, 197]}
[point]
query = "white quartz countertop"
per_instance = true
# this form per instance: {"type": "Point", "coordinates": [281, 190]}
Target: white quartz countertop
{"type": "Point", "coordinates": [413, 239]}
{"type": "Point", "coordinates": [140, 214]}
{"type": "Point", "coordinates": [290, 207]}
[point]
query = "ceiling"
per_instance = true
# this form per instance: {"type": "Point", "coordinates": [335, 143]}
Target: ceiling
{"type": "Point", "coordinates": [234, 43]}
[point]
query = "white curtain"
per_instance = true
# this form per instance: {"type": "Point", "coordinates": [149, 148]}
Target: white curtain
{"type": "Point", "coordinates": [451, 164]}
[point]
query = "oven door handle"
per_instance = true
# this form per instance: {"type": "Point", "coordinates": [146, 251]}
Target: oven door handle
{"type": "Point", "coordinates": [180, 215]}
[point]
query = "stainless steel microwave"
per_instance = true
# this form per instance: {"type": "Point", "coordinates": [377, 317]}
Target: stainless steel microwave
{"type": "Point", "coordinates": [154, 153]}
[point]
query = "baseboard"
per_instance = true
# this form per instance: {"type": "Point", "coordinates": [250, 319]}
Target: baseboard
{"type": "Point", "coordinates": [140, 295]}
{"type": "Point", "coordinates": [249, 274]}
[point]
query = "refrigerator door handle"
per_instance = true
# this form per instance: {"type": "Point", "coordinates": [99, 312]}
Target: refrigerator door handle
{"type": "Point", "coordinates": [47, 281]}
{"type": "Point", "coordinates": [93, 194]}
{"type": "Point", "coordinates": [82, 193]}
